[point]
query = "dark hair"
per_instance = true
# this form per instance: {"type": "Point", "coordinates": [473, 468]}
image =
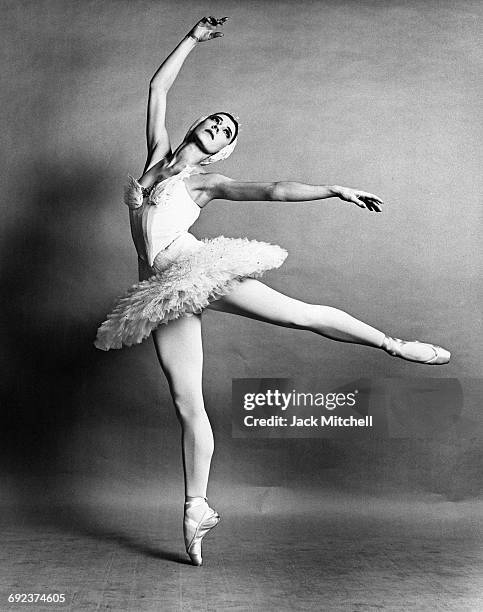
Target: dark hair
{"type": "Point", "coordinates": [234, 121]}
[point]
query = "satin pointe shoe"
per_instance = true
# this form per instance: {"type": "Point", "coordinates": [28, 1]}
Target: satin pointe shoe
{"type": "Point", "coordinates": [398, 348]}
{"type": "Point", "coordinates": [195, 530]}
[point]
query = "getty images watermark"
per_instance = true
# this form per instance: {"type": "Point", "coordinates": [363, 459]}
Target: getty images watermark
{"type": "Point", "coordinates": [303, 408]}
{"type": "Point", "coordinates": [295, 399]}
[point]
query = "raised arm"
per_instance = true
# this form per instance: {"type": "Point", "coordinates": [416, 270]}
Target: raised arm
{"type": "Point", "coordinates": [157, 136]}
{"type": "Point", "coordinates": [222, 187]}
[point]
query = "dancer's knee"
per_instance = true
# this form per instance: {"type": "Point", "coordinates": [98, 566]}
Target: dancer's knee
{"type": "Point", "coordinates": [308, 316]}
{"type": "Point", "coordinates": [317, 316]}
{"type": "Point", "coordinates": [189, 405]}
{"type": "Point", "coordinates": [195, 424]}
{"type": "Point", "coordinates": [299, 316]}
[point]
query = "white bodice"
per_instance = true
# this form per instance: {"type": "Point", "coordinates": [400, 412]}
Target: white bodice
{"type": "Point", "coordinates": [162, 216]}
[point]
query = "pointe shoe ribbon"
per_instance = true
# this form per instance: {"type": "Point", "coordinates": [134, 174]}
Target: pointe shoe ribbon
{"type": "Point", "coordinates": [195, 530]}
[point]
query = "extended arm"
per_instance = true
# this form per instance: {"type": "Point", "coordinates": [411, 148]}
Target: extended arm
{"type": "Point", "coordinates": [157, 137]}
{"type": "Point", "coordinates": [222, 187]}
{"type": "Point", "coordinates": [156, 133]}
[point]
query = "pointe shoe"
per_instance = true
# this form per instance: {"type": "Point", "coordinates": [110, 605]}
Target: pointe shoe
{"type": "Point", "coordinates": [194, 531]}
{"type": "Point", "coordinates": [441, 355]}
{"type": "Point", "coordinates": [395, 346]}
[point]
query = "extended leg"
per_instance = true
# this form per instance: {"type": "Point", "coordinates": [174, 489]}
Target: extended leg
{"type": "Point", "coordinates": [180, 352]}
{"type": "Point", "coordinates": [255, 300]}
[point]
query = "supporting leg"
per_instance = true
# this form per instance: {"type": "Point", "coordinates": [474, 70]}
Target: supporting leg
{"type": "Point", "coordinates": [180, 352]}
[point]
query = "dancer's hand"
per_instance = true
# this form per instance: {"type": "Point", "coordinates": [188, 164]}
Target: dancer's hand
{"type": "Point", "coordinates": [206, 28]}
{"type": "Point", "coordinates": [360, 198]}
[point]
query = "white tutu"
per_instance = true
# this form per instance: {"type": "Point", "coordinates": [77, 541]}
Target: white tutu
{"type": "Point", "coordinates": [184, 284]}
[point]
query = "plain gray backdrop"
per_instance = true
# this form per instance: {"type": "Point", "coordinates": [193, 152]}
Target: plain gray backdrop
{"type": "Point", "coordinates": [381, 96]}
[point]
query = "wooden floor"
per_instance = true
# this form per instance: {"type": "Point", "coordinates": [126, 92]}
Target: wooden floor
{"type": "Point", "coordinates": [131, 558]}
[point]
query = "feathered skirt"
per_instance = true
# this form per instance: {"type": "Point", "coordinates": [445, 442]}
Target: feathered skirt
{"type": "Point", "coordinates": [188, 275]}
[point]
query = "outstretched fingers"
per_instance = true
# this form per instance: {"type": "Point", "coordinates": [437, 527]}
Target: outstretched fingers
{"type": "Point", "coordinates": [363, 199]}
{"type": "Point", "coordinates": [368, 200]}
{"type": "Point", "coordinates": [214, 21]}
{"type": "Point", "coordinates": [211, 23]}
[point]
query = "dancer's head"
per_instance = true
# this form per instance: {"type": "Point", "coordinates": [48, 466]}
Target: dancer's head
{"type": "Point", "coordinates": [216, 135]}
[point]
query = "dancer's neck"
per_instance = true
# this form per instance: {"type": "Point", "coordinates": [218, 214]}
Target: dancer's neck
{"type": "Point", "coordinates": [187, 154]}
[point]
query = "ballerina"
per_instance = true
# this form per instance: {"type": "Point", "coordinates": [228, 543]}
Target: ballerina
{"type": "Point", "coordinates": [180, 276]}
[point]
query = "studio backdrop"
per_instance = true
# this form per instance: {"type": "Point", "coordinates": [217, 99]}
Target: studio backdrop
{"type": "Point", "coordinates": [379, 96]}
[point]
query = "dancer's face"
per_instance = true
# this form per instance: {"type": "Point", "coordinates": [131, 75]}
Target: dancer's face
{"type": "Point", "coordinates": [214, 133]}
